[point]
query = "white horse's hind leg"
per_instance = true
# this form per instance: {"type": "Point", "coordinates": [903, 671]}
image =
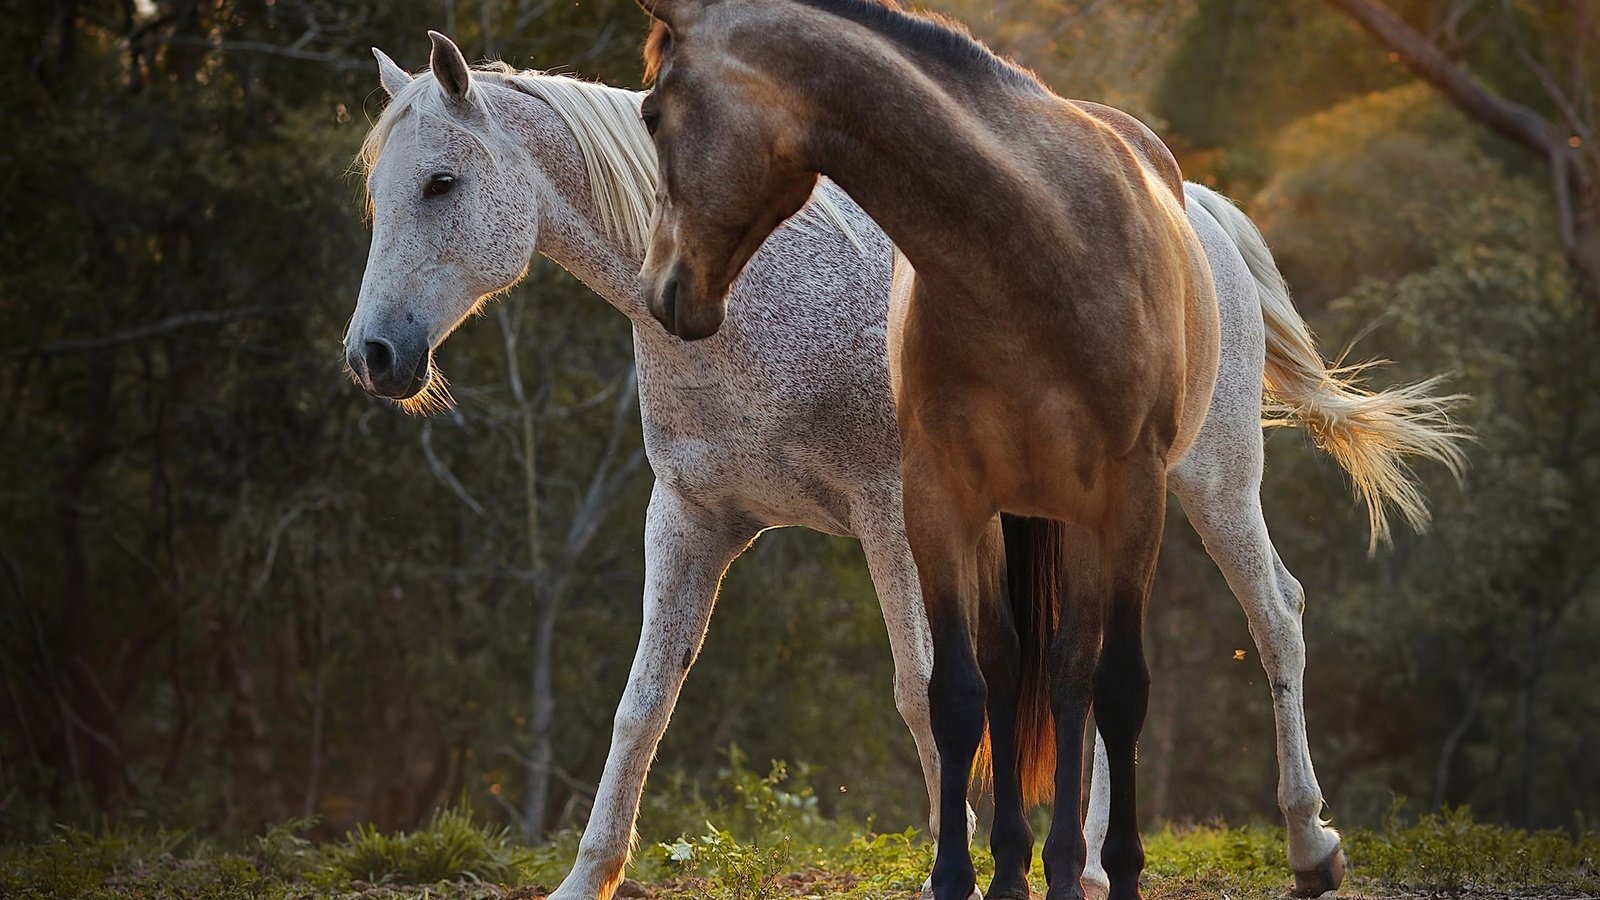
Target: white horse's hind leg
{"type": "Point", "coordinates": [1096, 883]}
{"type": "Point", "coordinates": [894, 575]}
{"type": "Point", "coordinates": [1224, 506]}
{"type": "Point", "coordinates": [685, 554]}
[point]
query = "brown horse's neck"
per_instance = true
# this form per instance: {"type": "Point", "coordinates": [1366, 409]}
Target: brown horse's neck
{"type": "Point", "coordinates": [928, 151]}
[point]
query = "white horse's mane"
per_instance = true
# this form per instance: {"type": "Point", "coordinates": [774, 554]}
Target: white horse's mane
{"type": "Point", "coordinates": [617, 152]}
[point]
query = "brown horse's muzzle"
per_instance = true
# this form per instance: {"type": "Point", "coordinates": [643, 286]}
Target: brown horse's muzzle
{"type": "Point", "coordinates": [681, 309]}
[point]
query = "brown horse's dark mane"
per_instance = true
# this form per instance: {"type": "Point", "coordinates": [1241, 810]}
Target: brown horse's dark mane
{"type": "Point", "coordinates": [923, 34]}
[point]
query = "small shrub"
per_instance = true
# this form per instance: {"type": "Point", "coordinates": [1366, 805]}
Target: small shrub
{"type": "Point", "coordinates": [1450, 850]}
{"type": "Point", "coordinates": [728, 869]}
{"type": "Point", "coordinates": [451, 847]}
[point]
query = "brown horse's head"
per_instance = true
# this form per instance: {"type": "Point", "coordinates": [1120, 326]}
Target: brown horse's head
{"type": "Point", "coordinates": [732, 163]}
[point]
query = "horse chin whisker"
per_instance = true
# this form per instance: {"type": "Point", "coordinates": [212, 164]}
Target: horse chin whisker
{"type": "Point", "coordinates": [434, 398]}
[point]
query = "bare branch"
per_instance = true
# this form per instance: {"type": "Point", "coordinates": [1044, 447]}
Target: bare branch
{"type": "Point", "coordinates": [1547, 80]}
{"type": "Point", "coordinates": [142, 332]}
{"type": "Point", "coordinates": [300, 508]}
{"type": "Point", "coordinates": [291, 51]}
{"type": "Point", "coordinates": [443, 473]}
{"type": "Point", "coordinates": [1575, 166]}
{"type": "Point", "coordinates": [1428, 62]}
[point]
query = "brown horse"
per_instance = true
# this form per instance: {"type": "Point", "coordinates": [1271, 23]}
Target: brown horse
{"type": "Point", "coordinates": [1053, 348]}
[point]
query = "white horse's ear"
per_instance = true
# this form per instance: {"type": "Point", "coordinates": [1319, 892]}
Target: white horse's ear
{"type": "Point", "coordinates": [393, 77]}
{"type": "Point", "coordinates": [450, 67]}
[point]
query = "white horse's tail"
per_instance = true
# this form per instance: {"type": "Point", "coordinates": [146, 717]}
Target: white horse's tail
{"type": "Point", "coordinates": [1370, 433]}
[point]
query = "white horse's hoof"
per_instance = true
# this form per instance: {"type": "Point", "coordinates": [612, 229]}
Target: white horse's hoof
{"type": "Point", "coordinates": [1325, 877]}
{"type": "Point", "coordinates": [1095, 890]}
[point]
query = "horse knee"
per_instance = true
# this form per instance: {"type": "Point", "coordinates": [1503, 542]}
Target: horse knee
{"type": "Point", "coordinates": [640, 719]}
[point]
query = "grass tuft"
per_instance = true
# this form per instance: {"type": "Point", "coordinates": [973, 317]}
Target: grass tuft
{"type": "Point", "coordinates": [450, 847]}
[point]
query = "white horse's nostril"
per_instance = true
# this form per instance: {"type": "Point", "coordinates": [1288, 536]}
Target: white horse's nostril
{"type": "Point", "coordinates": [379, 358]}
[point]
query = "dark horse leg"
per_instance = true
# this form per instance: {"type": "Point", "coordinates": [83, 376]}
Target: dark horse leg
{"type": "Point", "coordinates": [1073, 656]}
{"type": "Point", "coordinates": [1000, 656]}
{"type": "Point", "coordinates": [1122, 680]}
{"type": "Point", "coordinates": [1099, 657]}
{"type": "Point", "coordinates": [944, 536]}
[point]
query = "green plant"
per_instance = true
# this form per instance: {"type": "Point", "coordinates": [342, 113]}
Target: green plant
{"type": "Point", "coordinates": [1451, 850]}
{"type": "Point", "coordinates": [451, 846]}
{"type": "Point", "coordinates": [728, 869]}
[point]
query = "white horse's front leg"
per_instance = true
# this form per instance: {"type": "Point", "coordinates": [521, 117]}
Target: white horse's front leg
{"type": "Point", "coordinates": [685, 553]}
{"type": "Point", "coordinates": [894, 575]}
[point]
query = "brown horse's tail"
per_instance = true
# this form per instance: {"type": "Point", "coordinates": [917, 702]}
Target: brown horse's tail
{"type": "Point", "coordinates": [1034, 549]}
{"type": "Point", "coordinates": [1369, 433]}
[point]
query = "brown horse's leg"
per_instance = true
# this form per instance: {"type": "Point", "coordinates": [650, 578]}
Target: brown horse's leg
{"type": "Point", "coordinates": [1000, 657]}
{"type": "Point", "coordinates": [1074, 655]}
{"type": "Point", "coordinates": [943, 533]}
{"type": "Point", "coordinates": [1122, 680]}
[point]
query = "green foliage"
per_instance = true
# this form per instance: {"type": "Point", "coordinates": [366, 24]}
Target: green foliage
{"type": "Point", "coordinates": [1245, 68]}
{"type": "Point", "coordinates": [728, 869]}
{"type": "Point", "coordinates": [1451, 851]}
{"type": "Point", "coordinates": [888, 863]}
{"type": "Point", "coordinates": [1247, 858]}
{"type": "Point", "coordinates": [456, 858]}
{"type": "Point", "coordinates": [122, 860]}
{"type": "Point", "coordinates": [450, 847]}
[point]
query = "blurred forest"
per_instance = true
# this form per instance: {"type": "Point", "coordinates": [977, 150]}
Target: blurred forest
{"type": "Point", "coordinates": [235, 589]}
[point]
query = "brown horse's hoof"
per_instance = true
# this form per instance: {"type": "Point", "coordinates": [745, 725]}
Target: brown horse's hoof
{"type": "Point", "coordinates": [1009, 894]}
{"type": "Point", "coordinates": [927, 892]}
{"type": "Point", "coordinates": [1327, 876]}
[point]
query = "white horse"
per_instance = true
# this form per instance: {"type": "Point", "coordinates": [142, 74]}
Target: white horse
{"type": "Point", "coordinates": [784, 417]}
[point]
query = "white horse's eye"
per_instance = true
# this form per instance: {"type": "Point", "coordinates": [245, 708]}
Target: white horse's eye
{"type": "Point", "coordinates": [439, 185]}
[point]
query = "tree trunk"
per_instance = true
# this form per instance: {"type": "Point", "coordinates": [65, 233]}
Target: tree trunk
{"type": "Point", "coordinates": [542, 712]}
{"type": "Point", "coordinates": [1452, 742]}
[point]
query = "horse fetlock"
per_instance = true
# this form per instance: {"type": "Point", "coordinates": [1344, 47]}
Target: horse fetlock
{"type": "Point", "coordinates": [1071, 891]}
{"type": "Point", "coordinates": [590, 883]}
{"type": "Point", "coordinates": [998, 891]}
{"type": "Point", "coordinates": [954, 879]}
{"type": "Point", "coordinates": [1096, 884]}
{"type": "Point", "coordinates": [1311, 841]}
{"type": "Point", "coordinates": [1123, 858]}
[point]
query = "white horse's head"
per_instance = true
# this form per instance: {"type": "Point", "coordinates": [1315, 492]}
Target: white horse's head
{"type": "Point", "coordinates": [469, 172]}
{"type": "Point", "coordinates": [455, 220]}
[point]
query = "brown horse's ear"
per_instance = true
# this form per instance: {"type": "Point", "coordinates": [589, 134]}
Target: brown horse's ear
{"type": "Point", "coordinates": [450, 67]}
{"type": "Point", "coordinates": [393, 77]}
{"type": "Point", "coordinates": [660, 10]}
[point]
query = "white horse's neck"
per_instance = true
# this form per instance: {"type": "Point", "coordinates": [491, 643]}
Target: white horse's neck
{"type": "Point", "coordinates": [570, 229]}
{"type": "Point", "coordinates": [570, 236]}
